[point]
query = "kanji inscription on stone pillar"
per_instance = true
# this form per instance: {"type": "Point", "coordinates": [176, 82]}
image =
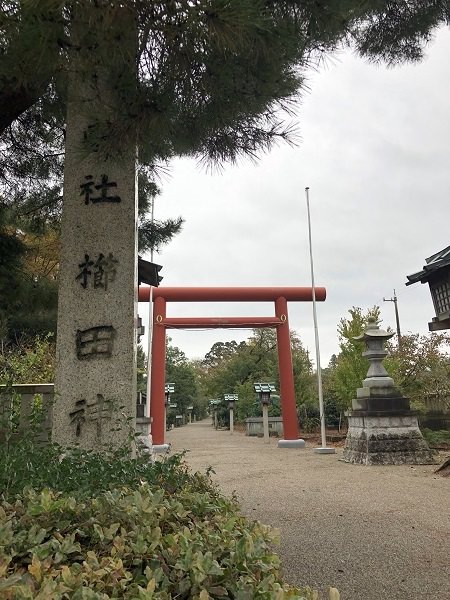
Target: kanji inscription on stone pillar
{"type": "Point", "coordinates": [95, 399]}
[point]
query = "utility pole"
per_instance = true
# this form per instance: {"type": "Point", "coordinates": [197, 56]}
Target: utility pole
{"type": "Point", "coordinates": [397, 319]}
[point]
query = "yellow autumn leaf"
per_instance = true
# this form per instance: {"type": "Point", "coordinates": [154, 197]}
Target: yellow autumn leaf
{"type": "Point", "coordinates": [204, 595]}
{"type": "Point", "coordinates": [151, 585]}
{"type": "Point", "coordinates": [66, 575]}
{"type": "Point", "coordinates": [35, 569]}
{"type": "Point", "coordinates": [334, 594]}
{"type": "Point", "coordinates": [4, 564]}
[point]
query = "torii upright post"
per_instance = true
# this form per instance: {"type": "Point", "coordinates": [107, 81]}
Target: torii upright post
{"type": "Point", "coordinates": [158, 371]}
{"type": "Point", "coordinates": [285, 369]}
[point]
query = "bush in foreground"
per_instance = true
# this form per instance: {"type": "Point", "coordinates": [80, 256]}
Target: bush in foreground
{"type": "Point", "coordinates": [86, 473]}
{"type": "Point", "coordinates": [137, 543]}
{"type": "Point", "coordinates": [146, 532]}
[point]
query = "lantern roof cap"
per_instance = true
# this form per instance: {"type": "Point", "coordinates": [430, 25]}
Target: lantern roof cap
{"type": "Point", "coordinates": [264, 387]}
{"type": "Point", "coordinates": [373, 331]}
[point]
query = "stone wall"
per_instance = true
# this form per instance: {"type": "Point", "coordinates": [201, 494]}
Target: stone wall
{"type": "Point", "coordinates": [254, 426]}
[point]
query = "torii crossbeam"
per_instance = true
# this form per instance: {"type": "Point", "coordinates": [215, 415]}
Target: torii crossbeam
{"type": "Point", "coordinates": [279, 295]}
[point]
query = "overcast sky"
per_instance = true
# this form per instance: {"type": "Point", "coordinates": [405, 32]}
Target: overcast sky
{"type": "Point", "coordinates": [375, 155]}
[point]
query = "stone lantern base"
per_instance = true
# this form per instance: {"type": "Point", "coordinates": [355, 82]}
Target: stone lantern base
{"type": "Point", "coordinates": [389, 437]}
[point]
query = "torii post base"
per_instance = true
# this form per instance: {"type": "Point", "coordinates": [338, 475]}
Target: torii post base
{"type": "Point", "coordinates": [324, 450]}
{"type": "Point", "coordinates": [161, 448]}
{"type": "Point", "coordinates": [291, 443]}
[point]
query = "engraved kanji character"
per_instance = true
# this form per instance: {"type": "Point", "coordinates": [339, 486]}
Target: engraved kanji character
{"type": "Point", "coordinates": [95, 342]}
{"type": "Point", "coordinates": [85, 270]}
{"type": "Point", "coordinates": [105, 270]}
{"type": "Point", "coordinates": [78, 416]}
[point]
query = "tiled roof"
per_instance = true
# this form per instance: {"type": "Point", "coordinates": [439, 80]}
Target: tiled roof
{"type": "Point", "coordinates": [433, 263]}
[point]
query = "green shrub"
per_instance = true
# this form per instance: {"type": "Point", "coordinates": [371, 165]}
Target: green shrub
{"type": "Point", "coordinates": [100, 526]}
{"type": "Point", "coordinates": [438, 438]}
{"type": "Point", "coordinates": [85, 473]}
{"type": "Point", "coordinates": [31, 361]}
{"type": "Point", "coordinates": [135, 543]}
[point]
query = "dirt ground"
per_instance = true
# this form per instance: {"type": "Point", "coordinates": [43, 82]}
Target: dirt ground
{"type": "Point", "coordinates": [375, 533]}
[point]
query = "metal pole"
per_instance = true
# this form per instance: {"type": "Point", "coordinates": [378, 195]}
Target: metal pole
{"type": "Point", "coordinates": [397, 320]}
{"type": "Point", "coordinates": [150, 332]}
{"type": "Point", "coordinates": [149, 354]}
{"type": "Point", "coordinates": [152, 218]}
{"type": "Point", "coordinates": [323, 449]}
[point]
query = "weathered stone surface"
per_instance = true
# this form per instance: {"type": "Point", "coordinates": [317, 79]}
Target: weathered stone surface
{"type": "Point", "coordinates": [95, 385]}
{"type": "Point", "coordinates": [382, 428]}
{"type": "Point", "coordinates": [381, 403]}
{"type": "Point", "coordinates": [390, 440]}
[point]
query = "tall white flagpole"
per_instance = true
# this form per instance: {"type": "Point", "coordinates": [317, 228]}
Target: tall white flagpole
{"type": "Point", "coordinates": [150, 328]}
{"type": "Point", "coordinates": [323, 448]}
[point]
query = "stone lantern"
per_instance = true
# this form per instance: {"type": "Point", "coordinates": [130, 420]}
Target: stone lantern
{"type": "Point", "coordinates": [169, 388]}
{"type": "Point", "coordinates": [382, 429]}
{"type": "Point", "coordinates": [213, 405]}
{"type": "Point", "coordinates": [264, 390]}
{"type": "Point", "coordinates": [231, 399]}
{"type": "Point", "coordinates": [377, 377]}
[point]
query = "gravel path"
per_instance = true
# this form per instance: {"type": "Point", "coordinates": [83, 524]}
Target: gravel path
{"type": "Point", "coordinates": [376, 533]}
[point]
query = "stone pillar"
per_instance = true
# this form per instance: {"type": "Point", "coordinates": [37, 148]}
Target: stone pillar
{"type": "Point", "coordinates": [95, 386]}
{"type": "Point", "coordinates": [166, 407]}
{"type": "Point", "coordinates": [231, 418]}
{"type": "Point", "coordinates": [265, 417]}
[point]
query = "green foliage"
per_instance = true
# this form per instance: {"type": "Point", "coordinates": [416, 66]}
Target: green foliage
{"type": "Point", "coordinates": [31, 361]}
{"type": "Point", "coordinates": [436, 438]}
{"type": "Point", "coordinates": [234, 368]}
{"type": "Point", "coordinates": [84, 473]}
{"type": "Point", "coordinates": [97, 526]}
{"type": "Point", "coordinates": [181, 372]}
{"type": "Point", "coordinates": [350, 367]}
{"type": "Point", "coordinates": [141, 369]}
{"type": "Point", "coordinates": [221, 351]}
{"type": "Point", "coordinates": [136, 543]}
{"type": "Point", "coordinates": [420, 367]}
{"type": "Point", "coordinates": [11, 252]}
{"type": "Point", "coordinates": [152, 233]}
{"type": "Point", "coordinates": [210, 77]}
{"type": "Point", "coordinates": [29, 295]}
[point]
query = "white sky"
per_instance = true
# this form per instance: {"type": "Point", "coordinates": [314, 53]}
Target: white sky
{"type": "Point", "coordinates": [375, 154]}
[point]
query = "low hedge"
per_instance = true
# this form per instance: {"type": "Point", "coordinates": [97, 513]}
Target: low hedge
{"type": "Point", "coordinates": [140, 544]}
{"type": "Point", "coordinates": [134, 531]}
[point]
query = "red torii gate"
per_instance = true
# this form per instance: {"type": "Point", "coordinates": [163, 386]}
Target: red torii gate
{"type": "Point", "coordinates": [279, 295]}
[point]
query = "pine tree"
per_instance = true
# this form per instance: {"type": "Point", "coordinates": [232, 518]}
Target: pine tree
{"type": "Point", "coordinates": [211, 77]}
